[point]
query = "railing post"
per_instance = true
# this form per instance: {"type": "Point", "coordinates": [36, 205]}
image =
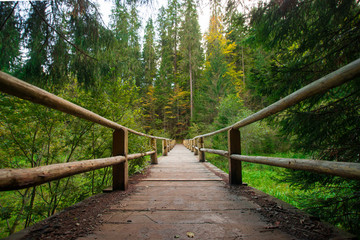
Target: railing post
{"type": "Point", "coordinates": [234, 147]}
{"type": "Point", "coordinates": [154, 159]}
{"type": "Point", "coordinates": [164, 148]}
{"type": "Point", "coordinates": [201, 153]}
{"type": "Point", "coordinates": [195, 145]}
{"type": "Point", "coordinates": [120, 148]}
{"type": "Point", "coordinates": [192, 145]}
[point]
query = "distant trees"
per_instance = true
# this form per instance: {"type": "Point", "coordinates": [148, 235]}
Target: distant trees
{"type": "Point", "coordinates": [179, 58]}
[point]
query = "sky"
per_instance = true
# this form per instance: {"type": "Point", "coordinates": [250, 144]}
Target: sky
{"type": "Point", "coordinates": [152, 11]}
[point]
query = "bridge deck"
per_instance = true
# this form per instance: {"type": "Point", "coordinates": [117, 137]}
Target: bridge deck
{"type": "Point", "coordinates": [182, 197]}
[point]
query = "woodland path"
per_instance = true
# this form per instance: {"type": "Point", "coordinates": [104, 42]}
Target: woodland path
{"type": "Point", "coordinates": [182, 197]}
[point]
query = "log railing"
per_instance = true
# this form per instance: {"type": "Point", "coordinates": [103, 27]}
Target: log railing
{"type": "Point", "coordinates": [12, 179]}
{"type": "Point", "coordinates": [342, 169]}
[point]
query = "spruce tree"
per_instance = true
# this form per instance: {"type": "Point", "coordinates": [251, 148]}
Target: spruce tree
{"type": "Point", "coordinates": [10, 35]}
{"type": "Point", "coordinates": [37, 38]}
{"type": "Point", "coordinates": [149, 54]}
{"type": "Point", "coordinates": [190, 50]}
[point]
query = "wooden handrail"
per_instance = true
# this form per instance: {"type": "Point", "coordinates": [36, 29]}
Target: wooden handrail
{"type": "Point", "coordinates": [323, 84]}
{"type": "Point", "coordinates": [24, 90]}
{"type": "Point", "coordinates": [215, 151]}
{"type": "Point", "coordinates": [342, 169]}
{"type": "Point", "coordinates": [13, 179]}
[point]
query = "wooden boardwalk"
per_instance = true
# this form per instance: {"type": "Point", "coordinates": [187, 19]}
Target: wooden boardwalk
{"type": "Point", "coordinates": [182, 197]}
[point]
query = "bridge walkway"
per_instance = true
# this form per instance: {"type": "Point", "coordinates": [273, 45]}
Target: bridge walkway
{"type": "Point", "coordinates": [180, 199]}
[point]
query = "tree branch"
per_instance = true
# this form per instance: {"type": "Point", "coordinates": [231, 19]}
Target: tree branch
{"type": "Point", "coordinates": [62, 36]}
{"type": "Point", "coordinates": [7, 18]}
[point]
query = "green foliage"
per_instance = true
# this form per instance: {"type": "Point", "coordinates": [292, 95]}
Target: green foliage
{"type": "Point", "coordinates": [257, 138]}
{"type": "Point", "coordinates": [36, 136]}
{"type": "Point", "coordinates": [299, 42]}
{"type": "Point", "coordinates": [9, 36]}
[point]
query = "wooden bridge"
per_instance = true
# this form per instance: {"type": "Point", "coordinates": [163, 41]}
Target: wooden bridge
{"type": "Point", "coordinates": [183, 192]}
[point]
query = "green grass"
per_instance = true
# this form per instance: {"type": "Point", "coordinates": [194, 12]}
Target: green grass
{"type": "Point", "coordinates": [266, 178]}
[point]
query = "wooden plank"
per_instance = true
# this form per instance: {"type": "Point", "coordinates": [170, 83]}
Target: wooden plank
{"type": "Point", "coordinates": [334, 79]}
{"type": "Point", "coordinates": [341, 169]}
{"type": "Point", "coordinates": [24, 90]}
{"type": "Point", "coordinates": [234, 146]}
{"type": "Point", "coordinates": [120, 171]}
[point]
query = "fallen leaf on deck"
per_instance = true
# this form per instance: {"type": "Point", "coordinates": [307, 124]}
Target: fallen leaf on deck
{"type": "Point", "coordinates": [190, 234]}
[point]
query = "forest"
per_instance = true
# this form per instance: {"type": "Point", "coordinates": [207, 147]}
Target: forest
{"type": "Point", "coordinates": [177, 82]}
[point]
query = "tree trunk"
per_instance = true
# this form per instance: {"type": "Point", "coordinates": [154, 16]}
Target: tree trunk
{"type": "Point", "coordinates": [191, 88]}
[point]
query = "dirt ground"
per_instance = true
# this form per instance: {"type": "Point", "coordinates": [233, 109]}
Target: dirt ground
{"type": "Point", "coordinates": [81, 219]}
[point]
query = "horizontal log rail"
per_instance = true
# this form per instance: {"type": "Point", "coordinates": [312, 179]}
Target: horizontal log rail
{"type": "Point", "coordinates": [13, 179]}
{"type": "Point", "coordinates": [24, 90]}
{"type": "Point", "coordinates": [215, 151]}
{"type": "Point", "coordinates": [342, 169]}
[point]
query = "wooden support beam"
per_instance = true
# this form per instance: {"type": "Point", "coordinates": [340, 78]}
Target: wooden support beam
{"type": "Point", "coordinates": [201, 153]}
{"type": "Point", "coordinates": [153, 157]}
{"type": "Point", "coordinates": [120, 171]}
{"type": "Point", "coordinates": [234, 147]}
{"type": "Point", "coordinates": [196, 147]}
{"type": "Point", "coordinates": [164, 148]}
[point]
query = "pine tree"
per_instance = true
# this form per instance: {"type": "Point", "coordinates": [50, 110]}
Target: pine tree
{"type": "Point", "coordinates": [85, 29]}
{"type": "Point", "coordinates": [149, 55]}
{"type": "Point", "coordinates": [173, 33]}
{"type": "Point", "coordinates": [190, 50]}
{"type": "Point", "coordinates": [10, 35]}
{"type": "Point", "coordinates": [165, 76]}
{"type": "Point", "coordinates": [134, 61]}
{"type": "Point", "coordinates": [37, 35]}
